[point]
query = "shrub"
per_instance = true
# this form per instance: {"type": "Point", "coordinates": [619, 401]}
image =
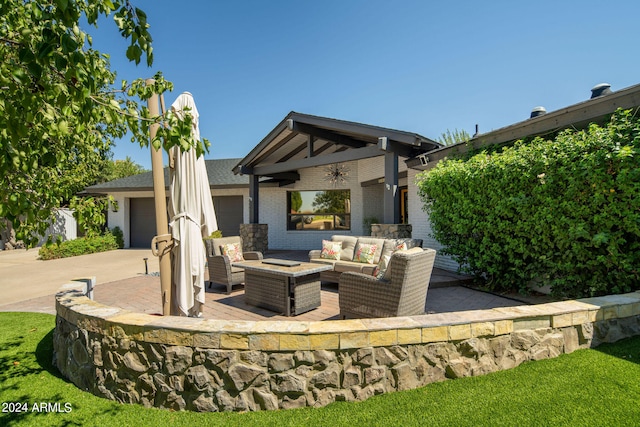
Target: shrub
{"type": "Point", "coordinates": [564, 213]}
{"type": "Point", "coordinates": [80, 246]}
{"type": "Point", "coordinates": [215, 235]}
{"type": "Point", "coordinates": [366, 224]}
{"type": "Point", "coordinates": [119, 236]}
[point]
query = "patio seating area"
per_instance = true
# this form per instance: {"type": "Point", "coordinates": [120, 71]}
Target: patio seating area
{"type": "Point", "coordinates": [128, 287]}
{"type": "Point", "coordinates": [142, 294]}
{"type": "Point", "coordinates": [220, 268]}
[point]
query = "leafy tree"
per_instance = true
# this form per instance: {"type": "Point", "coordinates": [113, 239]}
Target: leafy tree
{"type": "Point", "coordinates": [296, 201]}
{"type": "Point", "coordinates": [89, 212]}
{"type": "Point", "coordinates": [60, 108]}
{"type": "Point", "coordinates": [450, 138]}
{"type": "Point", "coordinates": [116, 169]}
{"type": "Point", "coordinates": [331, 201]}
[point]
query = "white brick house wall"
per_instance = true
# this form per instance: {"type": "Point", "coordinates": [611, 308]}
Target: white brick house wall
{"type": "Point", "coordinates": [373, 168]}
{"type": "Point", "coordinates": [373, 202]}
{"type": "Point", "coordinates": [373, 195]}
{"type": "Point", "coordinates": [419, 220]}
{"type": "Point", "coordinates": [365, 202]}
{"type": "Point", "coordinates": [273, 209]}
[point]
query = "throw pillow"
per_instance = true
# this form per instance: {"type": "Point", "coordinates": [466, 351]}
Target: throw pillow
{"type": "Point", "coordinates": [233, 251]}
{"type": "Point", "coordinates": [331, 250]}
{"type": "Point", "coordinates": [365, 253]}
{"type": "Point", "coordinates": [380, 271]}
{"type": "Point", "coordinates": [382, 267]}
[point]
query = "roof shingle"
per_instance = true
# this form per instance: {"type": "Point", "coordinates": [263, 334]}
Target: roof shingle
{"type": "Point", "coordinates": [219, 172]}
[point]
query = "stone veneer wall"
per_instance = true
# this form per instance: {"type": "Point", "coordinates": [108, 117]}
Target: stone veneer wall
{"type": "Point", "coordinates": [255, 237]}
{"type": "Point", "coordinates": [214, 365]}
{"type": "Point", "coordinates": [391, 231]}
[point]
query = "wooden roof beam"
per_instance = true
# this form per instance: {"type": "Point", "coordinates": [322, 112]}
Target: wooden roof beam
{"type": "Point", "coordinates": [325, 134]}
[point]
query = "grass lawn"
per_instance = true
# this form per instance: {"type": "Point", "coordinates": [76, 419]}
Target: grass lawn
{"type": "Point", "coordinates": [599, 387]}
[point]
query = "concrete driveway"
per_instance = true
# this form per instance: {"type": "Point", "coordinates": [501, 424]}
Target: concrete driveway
{"type": "Point", "coordinates": [23, 276]}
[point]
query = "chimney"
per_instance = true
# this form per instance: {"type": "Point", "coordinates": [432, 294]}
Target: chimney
{"type": "Point", "coordinates": [600, 90]}
{"type": "Point", "coordinates": [538, 111]}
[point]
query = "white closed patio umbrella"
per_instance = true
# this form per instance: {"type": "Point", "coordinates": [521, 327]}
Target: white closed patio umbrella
{"type": "Point", "coordinates": [192, 217]}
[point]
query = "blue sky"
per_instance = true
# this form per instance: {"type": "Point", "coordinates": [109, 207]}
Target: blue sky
{"type": "Point", "coordinates": [418, 66]}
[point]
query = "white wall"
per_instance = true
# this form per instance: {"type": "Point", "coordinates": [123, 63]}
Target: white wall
{"type": "Point", "coordinates": [373, 168]}
{"type": "Point", "coordinates": [273, 209]}
{"type": "Point", "coordinates": [373, 201]}
{"type": "Point", "coordinates": [419, 220]}
{"type": "Point", "coordinates": [65, 226]}
{"type": "Point", "coordinates": [120, 217]}
{"type": "Point", "coordinates": [373, 195]}
{"type": "Point", "coordinates": [365, 202]}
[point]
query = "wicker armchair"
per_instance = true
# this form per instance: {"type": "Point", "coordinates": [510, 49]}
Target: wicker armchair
{"type": "Point", "coordinates": [220, 269]}
{"type": "Point", "coordinates": [405, 294]}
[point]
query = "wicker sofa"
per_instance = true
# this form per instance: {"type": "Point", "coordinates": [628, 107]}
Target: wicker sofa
{"type": "Point", "coordinates": [349, 247]}
{"type": "Point", "coordinates": [404, 293]}
{"type": "Point", "coordinates": [220, 269]}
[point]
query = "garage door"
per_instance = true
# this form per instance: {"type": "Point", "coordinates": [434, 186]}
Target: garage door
{"type": "Point", "coordinates": [142, 222]}
{"type": "Point", "coordinates": [229, 214]}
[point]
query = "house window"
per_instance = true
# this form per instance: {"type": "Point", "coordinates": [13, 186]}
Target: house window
{"type": "Point", "coordinates": [319, 210]}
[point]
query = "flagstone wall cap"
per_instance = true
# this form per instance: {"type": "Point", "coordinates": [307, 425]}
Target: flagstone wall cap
{"type": "Point", "coordinates": [72, 305]}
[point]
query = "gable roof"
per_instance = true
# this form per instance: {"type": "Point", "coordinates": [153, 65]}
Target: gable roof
{"type": "Point", "coordinates": [579, 116]}
{"type": "Point", "coordinates": [218, 171]}
{"type": "Point", "coordinates": [303, 140]}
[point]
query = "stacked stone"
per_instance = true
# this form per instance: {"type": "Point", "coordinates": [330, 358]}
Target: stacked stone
{"type": "Point", "coordinates": [201, 379]}
{"type": "Point", "coordinates": [215, 365]}
{"type": "Point", "coordinates": [255, 237]}
{"type": "Point", "coordinates": [391, 231]}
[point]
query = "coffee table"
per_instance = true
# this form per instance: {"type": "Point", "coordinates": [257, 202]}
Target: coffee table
{"type": "Point", "coordinates": [290, 289]}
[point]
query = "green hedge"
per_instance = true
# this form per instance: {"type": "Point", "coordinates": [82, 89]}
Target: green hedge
{"type": "Point", "coordinates": [564, 213]}
{"type": "Point", "coordinates": [79, 246]}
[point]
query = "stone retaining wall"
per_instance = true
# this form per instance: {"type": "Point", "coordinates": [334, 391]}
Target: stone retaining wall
{"type": "Point", "coordinates": [215, 365]}
{"type": "Point", "coordinates": [391, 231]}
{"type": "Point", "coordinates": [255, 237]}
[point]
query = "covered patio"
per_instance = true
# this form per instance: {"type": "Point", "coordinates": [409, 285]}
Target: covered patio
{"type": "Point", "coordinates": [311, 153]}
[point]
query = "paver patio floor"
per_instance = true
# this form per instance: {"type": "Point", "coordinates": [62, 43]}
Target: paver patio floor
{"type": "Point", "coordinates": [142, 294]}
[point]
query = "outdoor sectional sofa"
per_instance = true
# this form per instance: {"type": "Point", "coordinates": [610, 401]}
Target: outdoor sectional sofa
{"type": "Point", "coordinates": [349, 248]}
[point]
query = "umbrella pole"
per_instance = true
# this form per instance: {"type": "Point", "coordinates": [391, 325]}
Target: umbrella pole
{"type": "Point", "coordinates": [163, 238]}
